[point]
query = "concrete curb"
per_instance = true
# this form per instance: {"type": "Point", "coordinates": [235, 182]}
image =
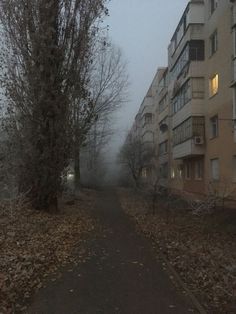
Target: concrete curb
{"type": "Point", "coordinates": [180, 282]}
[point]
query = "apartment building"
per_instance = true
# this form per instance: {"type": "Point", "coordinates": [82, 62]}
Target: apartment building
{"type": "Point", "coordinates": [162, 123]}
{"type": "Point", "coordinates": [193, 101]}
{"type": "Point", "coordinates": [187, 58]}
{"type": "Point", "coordinates": [144, 129]}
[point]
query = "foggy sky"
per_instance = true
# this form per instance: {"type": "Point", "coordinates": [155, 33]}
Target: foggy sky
{"type": "Point", "coordinates": [142, 29]}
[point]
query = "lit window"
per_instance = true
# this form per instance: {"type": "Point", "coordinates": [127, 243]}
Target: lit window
{"type": "Point", "coordinates": [214, 85]}
{"type": "Point", "coordinates": [172, 173]}
{"type": "Point", "coordinates": [214, 126]}
{"type": "Point", "coordinates": [215, 170]}
{"type": "Point", "coordinates": [198, 170]}
{"type": "Point", "coordinates": [213, 43]}
{"type": "Point", "coordinates": [144, 173]}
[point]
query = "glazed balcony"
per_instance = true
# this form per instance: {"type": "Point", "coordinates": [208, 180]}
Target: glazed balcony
{"type": "Point", "coordinates": [189, 138]}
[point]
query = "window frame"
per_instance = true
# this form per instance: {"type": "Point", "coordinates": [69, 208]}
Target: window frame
{"type": "Point", "coordinates": [213, 90]}
{"type": "Point", "coordinates": [163, 148]}
{"type": "Point", "coordinates": [217, 178]}
{"type": "Point", "coordinates": [214, 125]}
{"type": "Point", "coordinates": [164, 170]}
{"type": "Point", "coordinates": [148, 118]}
{"type": "Point", "coordinates": [187, 171]}
{"type": "Point", "coordinates": [198, 171]}
{"type": "Point", "coordinates": [234, 169]}
{"type": "Point", "coordinates": [213, 6]}
{"type": "Point", "coordinates": [213, 39]}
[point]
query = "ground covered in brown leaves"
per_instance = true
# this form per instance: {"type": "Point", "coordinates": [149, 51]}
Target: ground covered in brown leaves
{"type": "Point", "coordinates": [34, 245]}
{"type": "Point", "coordinates": [201, 249]}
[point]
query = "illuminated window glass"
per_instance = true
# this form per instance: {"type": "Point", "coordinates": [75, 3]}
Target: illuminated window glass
{"type": "Point", "coordinates": [214, 85]}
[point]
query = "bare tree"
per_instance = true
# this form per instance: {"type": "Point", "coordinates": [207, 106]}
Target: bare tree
{"type": "Point", "coordinates": [131, 155]}
{"type": "Point", "coordinates": [47, 44]}
{"type": "Point", "coordinates": [107, 84]}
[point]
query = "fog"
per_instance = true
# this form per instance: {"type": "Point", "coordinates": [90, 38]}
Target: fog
{"type": "Point", "coordinates": [142, 29]}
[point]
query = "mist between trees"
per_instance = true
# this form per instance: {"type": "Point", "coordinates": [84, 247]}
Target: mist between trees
{"type": "Point", "coordinates": [61, 79]}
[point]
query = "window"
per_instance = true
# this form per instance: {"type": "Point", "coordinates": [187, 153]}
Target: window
{"type": "Point", "coordinates": [213, 43]}
{"type": "Point", "coordinates": [193, 126]}
{"type": "Point", "coordinates": [214, 85]}
{"type": "Point", "coordinates": [199, 170]}
{"type": "Point", "coordinates": [196, 50]}
{"type": "Point", "coordinates": [148, 118]}
{"type": "Point", "coordinates": [187, 170]}
{"type": "Point", "coordinates": [173, 175]}
{"type": "Point", "coordinates": [164, 170]}
{"type": "Point", "coordinates": [163, 148]}
{"type": "Point", "coordinates": [164, 81]}
{"type": "Point", "coordinates": [234, 41]}
{"type": "Point", "coordinates": [197, 87]}
{"type": "Point", "coordinates": [163, 103]}
{"type": "Point", "coordinates": [213, 5]}
{"type": "Point", "coordinates": [215, 170]}
{"type": "Point", "coordinates": [182, 97]}
{"type": "Point", "coordinates": [144, 173]}
{"type": "Point", "coordinates": [193, 51]}
{"type": "Point", "coordinates": [214, 126]}
{"type": "Point", "coordinates": [233, 16]}
{"type": "Point", "coordinates": [234, 110]}
{"type": "Point", "coordinates": [234, 168]}
{"type": "Point", "coordinates": [163, 125]}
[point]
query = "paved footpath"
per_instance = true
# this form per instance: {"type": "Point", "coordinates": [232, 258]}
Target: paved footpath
{"type": "Point", "coordinates": [121, 277]}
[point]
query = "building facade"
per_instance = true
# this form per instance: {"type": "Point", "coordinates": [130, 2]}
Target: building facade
{"type": "Point", "coordinates": [190, 108]}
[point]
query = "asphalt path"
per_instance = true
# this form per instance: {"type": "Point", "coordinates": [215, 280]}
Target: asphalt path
{"type": "Point", "coordinates": [122, 274]}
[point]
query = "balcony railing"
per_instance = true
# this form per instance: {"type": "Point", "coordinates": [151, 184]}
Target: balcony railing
{"type": "Point", "coordinates": [190, 128]}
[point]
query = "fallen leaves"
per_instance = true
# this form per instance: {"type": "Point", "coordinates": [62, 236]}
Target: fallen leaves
{"type": "Point", "coordinates": [203, 253]}
{"type": "Point", "coordinates": [34, 245]}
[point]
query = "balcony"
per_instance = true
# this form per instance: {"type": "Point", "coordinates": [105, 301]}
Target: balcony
{"type": "Point", "coordinates": [188, 138]}
{"type": "Point", "coordinates": [194, 107]}
{"type": "Point", "coordinates": [146, 106]}
{"type": "Point", "coordinates": [188, 101]}
{"type": "Point", "coordinates": [193, 53]}
{"type": "Point", "coordinates": [194, 32]}
{"type": "Point", "coordinates": [188, 149]}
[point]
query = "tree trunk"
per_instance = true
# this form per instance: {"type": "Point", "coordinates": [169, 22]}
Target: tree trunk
{"type": "Point", "coordinates": [48, 139]}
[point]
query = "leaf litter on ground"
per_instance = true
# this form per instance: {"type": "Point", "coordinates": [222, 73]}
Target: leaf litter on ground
{"type": "Point", "coordinates": [201, 249]}
{"type": "Point", "coordinates": [34, 245]}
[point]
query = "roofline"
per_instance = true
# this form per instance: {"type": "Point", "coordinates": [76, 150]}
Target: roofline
{"type": "Point", "coordinates": [186, 9]}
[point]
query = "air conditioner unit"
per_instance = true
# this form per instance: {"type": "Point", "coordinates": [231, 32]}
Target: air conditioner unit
{"type": "Point", "coordinates": [198, 140]}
